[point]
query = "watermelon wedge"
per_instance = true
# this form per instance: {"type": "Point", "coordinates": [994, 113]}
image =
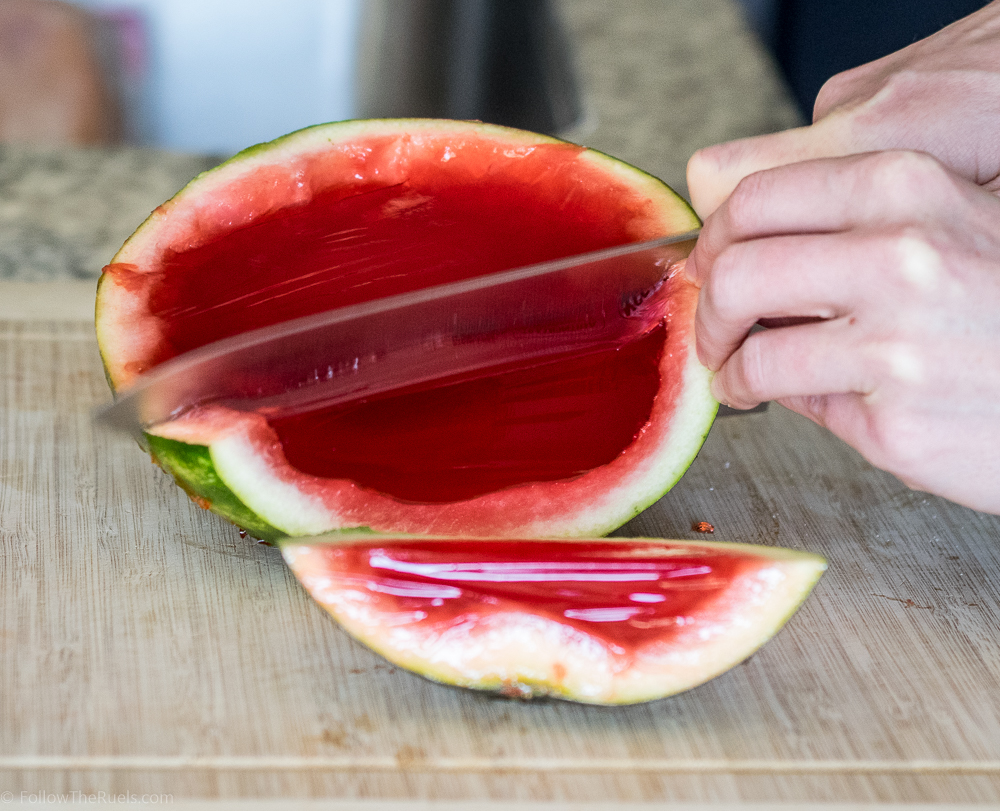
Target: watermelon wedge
{"type": "Point", "coordinates": [603, 621]}
{"type": "Point", "coordinates": [343, 213]}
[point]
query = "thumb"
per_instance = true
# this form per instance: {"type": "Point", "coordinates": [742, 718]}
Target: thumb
{"type": "Point", "coordinates": [713, 172]}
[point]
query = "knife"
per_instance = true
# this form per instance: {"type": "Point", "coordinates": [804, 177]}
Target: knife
{"type": "Point", "coordinates": [461, 330]}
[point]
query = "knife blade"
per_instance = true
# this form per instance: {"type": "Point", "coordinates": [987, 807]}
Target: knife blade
{"type": "Point", "coordinates": [476, 327]}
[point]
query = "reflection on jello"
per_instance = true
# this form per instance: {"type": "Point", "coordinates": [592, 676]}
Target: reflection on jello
{"type": "Point", "coordinates": [586, 585]}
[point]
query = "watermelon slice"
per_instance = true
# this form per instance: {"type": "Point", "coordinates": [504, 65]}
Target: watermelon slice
{"type": "Point", "coordinates": [343, 213]}
{"type": "Point", "coordinates": [609, 621]}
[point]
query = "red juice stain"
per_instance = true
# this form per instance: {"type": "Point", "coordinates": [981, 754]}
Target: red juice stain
{"type": "Point", "coordinates": [625, 593]}
{"type": "Point", "coordinates": [127, 275]}
{"type": "Point", "coordinates": [349, 246]}
{"type": "Point", "coordinates": [702, 526]}
{"type": "Point", "coordinates": [243, 533]}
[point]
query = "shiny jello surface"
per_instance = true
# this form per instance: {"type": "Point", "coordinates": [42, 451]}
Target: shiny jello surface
{"type": "Point", "coordinates": [626, 593]}
{"type": "Point", "coordinates": [462, 440]}
{"type": "Point", "coordinates": [371, 240]}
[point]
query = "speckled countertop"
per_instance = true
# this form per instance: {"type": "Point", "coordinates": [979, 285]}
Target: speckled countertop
{"type": "Point", "coordinates": [661, 78]}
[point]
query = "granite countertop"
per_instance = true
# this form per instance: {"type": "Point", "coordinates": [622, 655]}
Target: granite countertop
{"type": "Point", "coordinates": [663, 78]}
{"type": "Point", "coordinates": [660, 79]}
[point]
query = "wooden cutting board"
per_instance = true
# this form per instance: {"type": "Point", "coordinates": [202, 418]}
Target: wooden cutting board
{"type": "Point", "coordinates": [146, 648]}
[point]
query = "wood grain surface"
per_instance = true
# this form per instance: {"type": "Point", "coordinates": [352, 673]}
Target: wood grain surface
{"type": "Point", "coordinates": [145, 647]}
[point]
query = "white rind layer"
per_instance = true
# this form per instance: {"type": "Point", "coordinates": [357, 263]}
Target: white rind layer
{"type": "Point", "coordinates": [518, 652]}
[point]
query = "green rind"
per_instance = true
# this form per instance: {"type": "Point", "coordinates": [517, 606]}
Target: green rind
{"type": "Point", "coordinates": [192, 468]}
{"type": "Point", "coordinates": [97, 321]}
{"type": "Point", "coordinates": [711, 411]}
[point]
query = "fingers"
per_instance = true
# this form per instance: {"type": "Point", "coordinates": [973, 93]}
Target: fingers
{"type": "Point", "coordinates": [714, 173]}
{"type": "Point", "coordinates": [776, 279]}
{"type": "Point", "coordinates": [833, 239]}
{"type": "Point", "coordinates": [828, 195]}
{"type": "Point", "coordinates": [803, 362]}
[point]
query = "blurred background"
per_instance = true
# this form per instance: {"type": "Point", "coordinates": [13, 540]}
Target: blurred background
{"type": "Point", "coordinates": [213, 76]}
{"type": "Point", "coordinates": [814, 39]}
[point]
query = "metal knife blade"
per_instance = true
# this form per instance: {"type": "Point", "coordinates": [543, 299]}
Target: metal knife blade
{"type": "Point", "coordinates": [532, 314]}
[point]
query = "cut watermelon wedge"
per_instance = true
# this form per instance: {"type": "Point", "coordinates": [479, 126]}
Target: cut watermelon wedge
{"type": "Point", "coordinates": [344, 213]}
{"type": "Point", "coordinates": [603, 621]}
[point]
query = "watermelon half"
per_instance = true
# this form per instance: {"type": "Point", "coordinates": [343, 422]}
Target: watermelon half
{"type": "Point", "coordinates": [344, 213]}
{"type": "Point", "coordinates": [608, 621]}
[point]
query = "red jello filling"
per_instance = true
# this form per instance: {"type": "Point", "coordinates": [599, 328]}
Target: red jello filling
{"type": "Point", "coordinates": [626, 593]}
{"type": "Point", "coordinates": [369, 240]}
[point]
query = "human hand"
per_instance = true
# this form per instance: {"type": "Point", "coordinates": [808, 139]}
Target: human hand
{"type": "Point", "coordinates": [900, 258]}
{"type": "Point", "coordinates": [940, 95]}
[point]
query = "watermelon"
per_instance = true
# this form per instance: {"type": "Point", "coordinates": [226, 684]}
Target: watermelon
{"type": "Point", "coordinates": [344, 213]}
{"type": "Point", "coordinates": [599, 621]}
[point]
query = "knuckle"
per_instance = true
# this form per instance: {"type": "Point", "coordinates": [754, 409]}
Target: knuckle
{"type": "Point", "coordinates": [908, 178]}
{"type": "Point", "coordinates": [834, 92]}
{"type": "Point", "coordinates": [913, 246]}
{"type": "Point", "coordinates": [895, 441]}
{"type": "Point", "coordinates": [899, 361]}
{"type": "Point", "coordinates": [898, 166]}
{"type": "Point", "coordinates": [880, 99]}
{"type": "Point", "coordinates": [893, 240]}
{"type": "Point", "coordinates": [913, 261]}
{"type": "Point", "coordinates": [897, 90]}
{"type": "Point", "coordinates": [743, 209]}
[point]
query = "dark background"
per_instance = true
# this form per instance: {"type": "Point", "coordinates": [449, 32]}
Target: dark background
{"type": "Point", "coordinates": [814, 39]}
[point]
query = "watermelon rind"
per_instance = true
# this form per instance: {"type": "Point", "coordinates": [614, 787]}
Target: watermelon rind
{"type": "Point", "coordinates": [192, 467]}
{"type": "Point", "coordinates": [215, 454]}
{"type": "Point", "coordinates": [519, 654]}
